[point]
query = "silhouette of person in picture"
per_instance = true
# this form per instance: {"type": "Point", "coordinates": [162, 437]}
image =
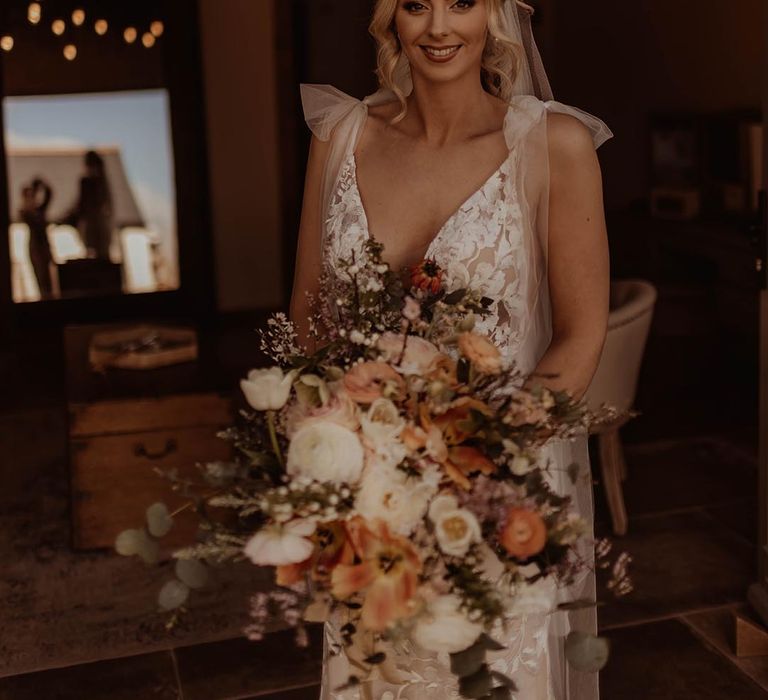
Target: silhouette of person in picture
{"type": "Point", "coordinates": [93, 213]}
{"type": "Point", "coordinates": [35, 199]}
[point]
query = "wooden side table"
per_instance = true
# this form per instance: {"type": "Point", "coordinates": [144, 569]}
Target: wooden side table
{"type": "Point", "coordinates": [125, 423]}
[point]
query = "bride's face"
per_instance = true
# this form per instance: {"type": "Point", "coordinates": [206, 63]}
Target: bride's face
{"type": "Point", "coordinates": [442, 39]}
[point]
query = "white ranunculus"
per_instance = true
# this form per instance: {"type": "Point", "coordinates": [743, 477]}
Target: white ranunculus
{"type": "Point", "coordinates": [267, 389]}
{"type": "Point", "coordinates": [281, 545]}
{"type": "Point", "coordinates": [382, 422]}
{"type": "Point", "coordinates": [390, 495]}
{"type": "Point", "coordinates": [445, 628]}
{"type": "Point", "coordinates": [325, 451]}
{"type": "Point", "coordinates": [455, 528]}
{"type": "Point", "coordinates": [534, 598]}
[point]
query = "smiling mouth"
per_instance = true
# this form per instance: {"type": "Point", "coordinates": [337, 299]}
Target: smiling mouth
{"type": "Point", "coordinates": [442, 52]}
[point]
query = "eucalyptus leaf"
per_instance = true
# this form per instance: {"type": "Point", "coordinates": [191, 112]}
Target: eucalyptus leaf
{"type": "Point", "coordinates": [192, 572]}
{"type": "Point", "coordinates": [172, 595]}
{"type": "Point", "coordinates": [478, 685]}
{"type": "Point", "coordinates": [148, 549]}
{"type": "Point", "coordinates": [159, 520]}
{"type": "Point", "coordinates": [469, 661]}
{"type": "Point", "coordinates": [128, 542]}
{"type": "Point", "coordinates": [585, 652]}
{"type": "Point", "coordinates": [455, 297]}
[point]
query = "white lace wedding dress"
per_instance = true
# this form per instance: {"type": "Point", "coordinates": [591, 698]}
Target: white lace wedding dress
{"type": "Point", "coordinates": [495, 243]}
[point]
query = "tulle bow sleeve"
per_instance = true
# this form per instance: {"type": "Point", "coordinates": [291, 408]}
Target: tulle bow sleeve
{"type": "Point", "coordinates": [336, 118]}
{"type": "Point", "coordinates": [324, 107]}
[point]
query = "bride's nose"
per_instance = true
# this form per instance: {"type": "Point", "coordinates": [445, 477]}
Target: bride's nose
{"type": "Point", "coordinates": [438, 27]}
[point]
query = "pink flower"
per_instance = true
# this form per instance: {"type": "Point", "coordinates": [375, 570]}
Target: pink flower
{"type": "Point", "coordinates": [420, 355]}
{"type": "Point", "coordinates": [481, 352]}
{"type": "Point", "coordinates": [339, 409]}
{"type": "Point", "coordinates": [412, 309]}
{"type": "Point", "coordinates": [368, 381]}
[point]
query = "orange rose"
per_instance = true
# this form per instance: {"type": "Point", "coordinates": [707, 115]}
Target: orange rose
{"type": "Point", "coordinates": [366, 381]}
{"type": "Point", "coordinates": [481, 352]}
{"type": "Point", "coordinates": [524, 533]}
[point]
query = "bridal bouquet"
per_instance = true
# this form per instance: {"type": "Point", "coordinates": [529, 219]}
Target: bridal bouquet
{"type": "Point", "coordinates": [393, 480]}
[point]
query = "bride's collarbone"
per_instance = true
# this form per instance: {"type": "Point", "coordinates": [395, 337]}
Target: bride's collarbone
{"type": "Point", "coordinates": [411, 191]}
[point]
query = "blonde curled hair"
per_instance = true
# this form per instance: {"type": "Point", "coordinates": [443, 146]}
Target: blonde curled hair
{"type": "Point", "coordinates": [502, 56]}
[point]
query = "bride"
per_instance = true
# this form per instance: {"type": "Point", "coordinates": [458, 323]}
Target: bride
{"type": "Point", "coordinates": [463, 157]}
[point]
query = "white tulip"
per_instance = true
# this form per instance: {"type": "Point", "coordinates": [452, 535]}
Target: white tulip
{"type": "Point", "coordinates": [445, 628]}
{"type": "Point", "coordinates": [325, 451]}
{"type": "Point", "coordinates": [281, 545]}
{"type": "Point", "coordinates": [267, 389]}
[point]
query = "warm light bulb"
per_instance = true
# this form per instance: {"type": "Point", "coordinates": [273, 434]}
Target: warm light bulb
{"type": "Point", "coordinates": [34, 13]}
{"type": "Point", "coordinates": [58, 26]}
{"type": "Point", "coordinates": [101, 26]}
{"type": "Point", "coordinates": [157, 28]}
{"type": "Point", "coordinates": [130, 35]}
{"type": "Point", "coordinates": [70, 52]}
{"type": "Point", "coordinates": [148, 40]}
{"type": "Point", "coordinates": [6, 43]}
{"type": "Point", "coordinates": [78, 17]}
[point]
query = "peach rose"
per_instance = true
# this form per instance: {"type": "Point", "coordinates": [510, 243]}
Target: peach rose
{"type": "Point", "coordinates": [366, 381]}
{"type": "Point", "coordinates": [524, 533]}
{"type": "Point", "coordinates": [420, 355]}
{"type": "Point", "coordinates": [481, 352]}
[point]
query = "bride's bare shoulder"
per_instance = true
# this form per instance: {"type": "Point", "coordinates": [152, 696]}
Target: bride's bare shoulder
{"type": "Point", "coordinates": [382, 115]}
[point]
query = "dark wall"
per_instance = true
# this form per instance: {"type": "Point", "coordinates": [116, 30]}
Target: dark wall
{"type": "Point", "coordinates": [624, 60]}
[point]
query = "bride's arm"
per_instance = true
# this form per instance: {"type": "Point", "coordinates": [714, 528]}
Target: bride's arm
{"type": "Point", "coordinates": [308, 254]}
{"type": "Point", "coordinates": [579, 267]}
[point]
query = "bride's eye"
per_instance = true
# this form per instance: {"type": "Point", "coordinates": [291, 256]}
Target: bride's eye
{"type": "Point", "coordinates": [414, 6]}
{"type": "Point", "coordinates": [465, 4]}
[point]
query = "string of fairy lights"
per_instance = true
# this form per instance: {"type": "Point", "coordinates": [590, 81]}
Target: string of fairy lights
{"type": "Point", "coordinates": [79, 19]}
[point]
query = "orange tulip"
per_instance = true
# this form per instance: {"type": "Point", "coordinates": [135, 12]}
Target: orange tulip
{"type": "Point", "coordinates": [388, 573]}
{"type": "Point", "coordinates": [524, 533]}
{"type": "Point", "coordinates": [456, 423]}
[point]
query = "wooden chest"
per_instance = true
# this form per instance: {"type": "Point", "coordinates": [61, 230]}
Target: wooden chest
{"type": "Point", "coordinates": [124, 424]}
{"type": "Point", "coordinates": [115, 447]}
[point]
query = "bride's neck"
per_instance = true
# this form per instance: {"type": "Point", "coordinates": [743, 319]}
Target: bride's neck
{"type": "Point", "coordinates": [442, 113]}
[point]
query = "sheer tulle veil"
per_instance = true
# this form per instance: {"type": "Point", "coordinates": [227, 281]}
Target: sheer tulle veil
{"type": "Point", "coordinates": [338, 118]}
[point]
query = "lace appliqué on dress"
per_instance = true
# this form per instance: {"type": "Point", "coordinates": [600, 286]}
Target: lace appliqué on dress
{"type": "Point", "coordinates": [482, 246]}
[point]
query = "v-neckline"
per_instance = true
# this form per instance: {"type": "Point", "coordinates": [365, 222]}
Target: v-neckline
{"type": "Point", "coordinates": [456, 211]}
